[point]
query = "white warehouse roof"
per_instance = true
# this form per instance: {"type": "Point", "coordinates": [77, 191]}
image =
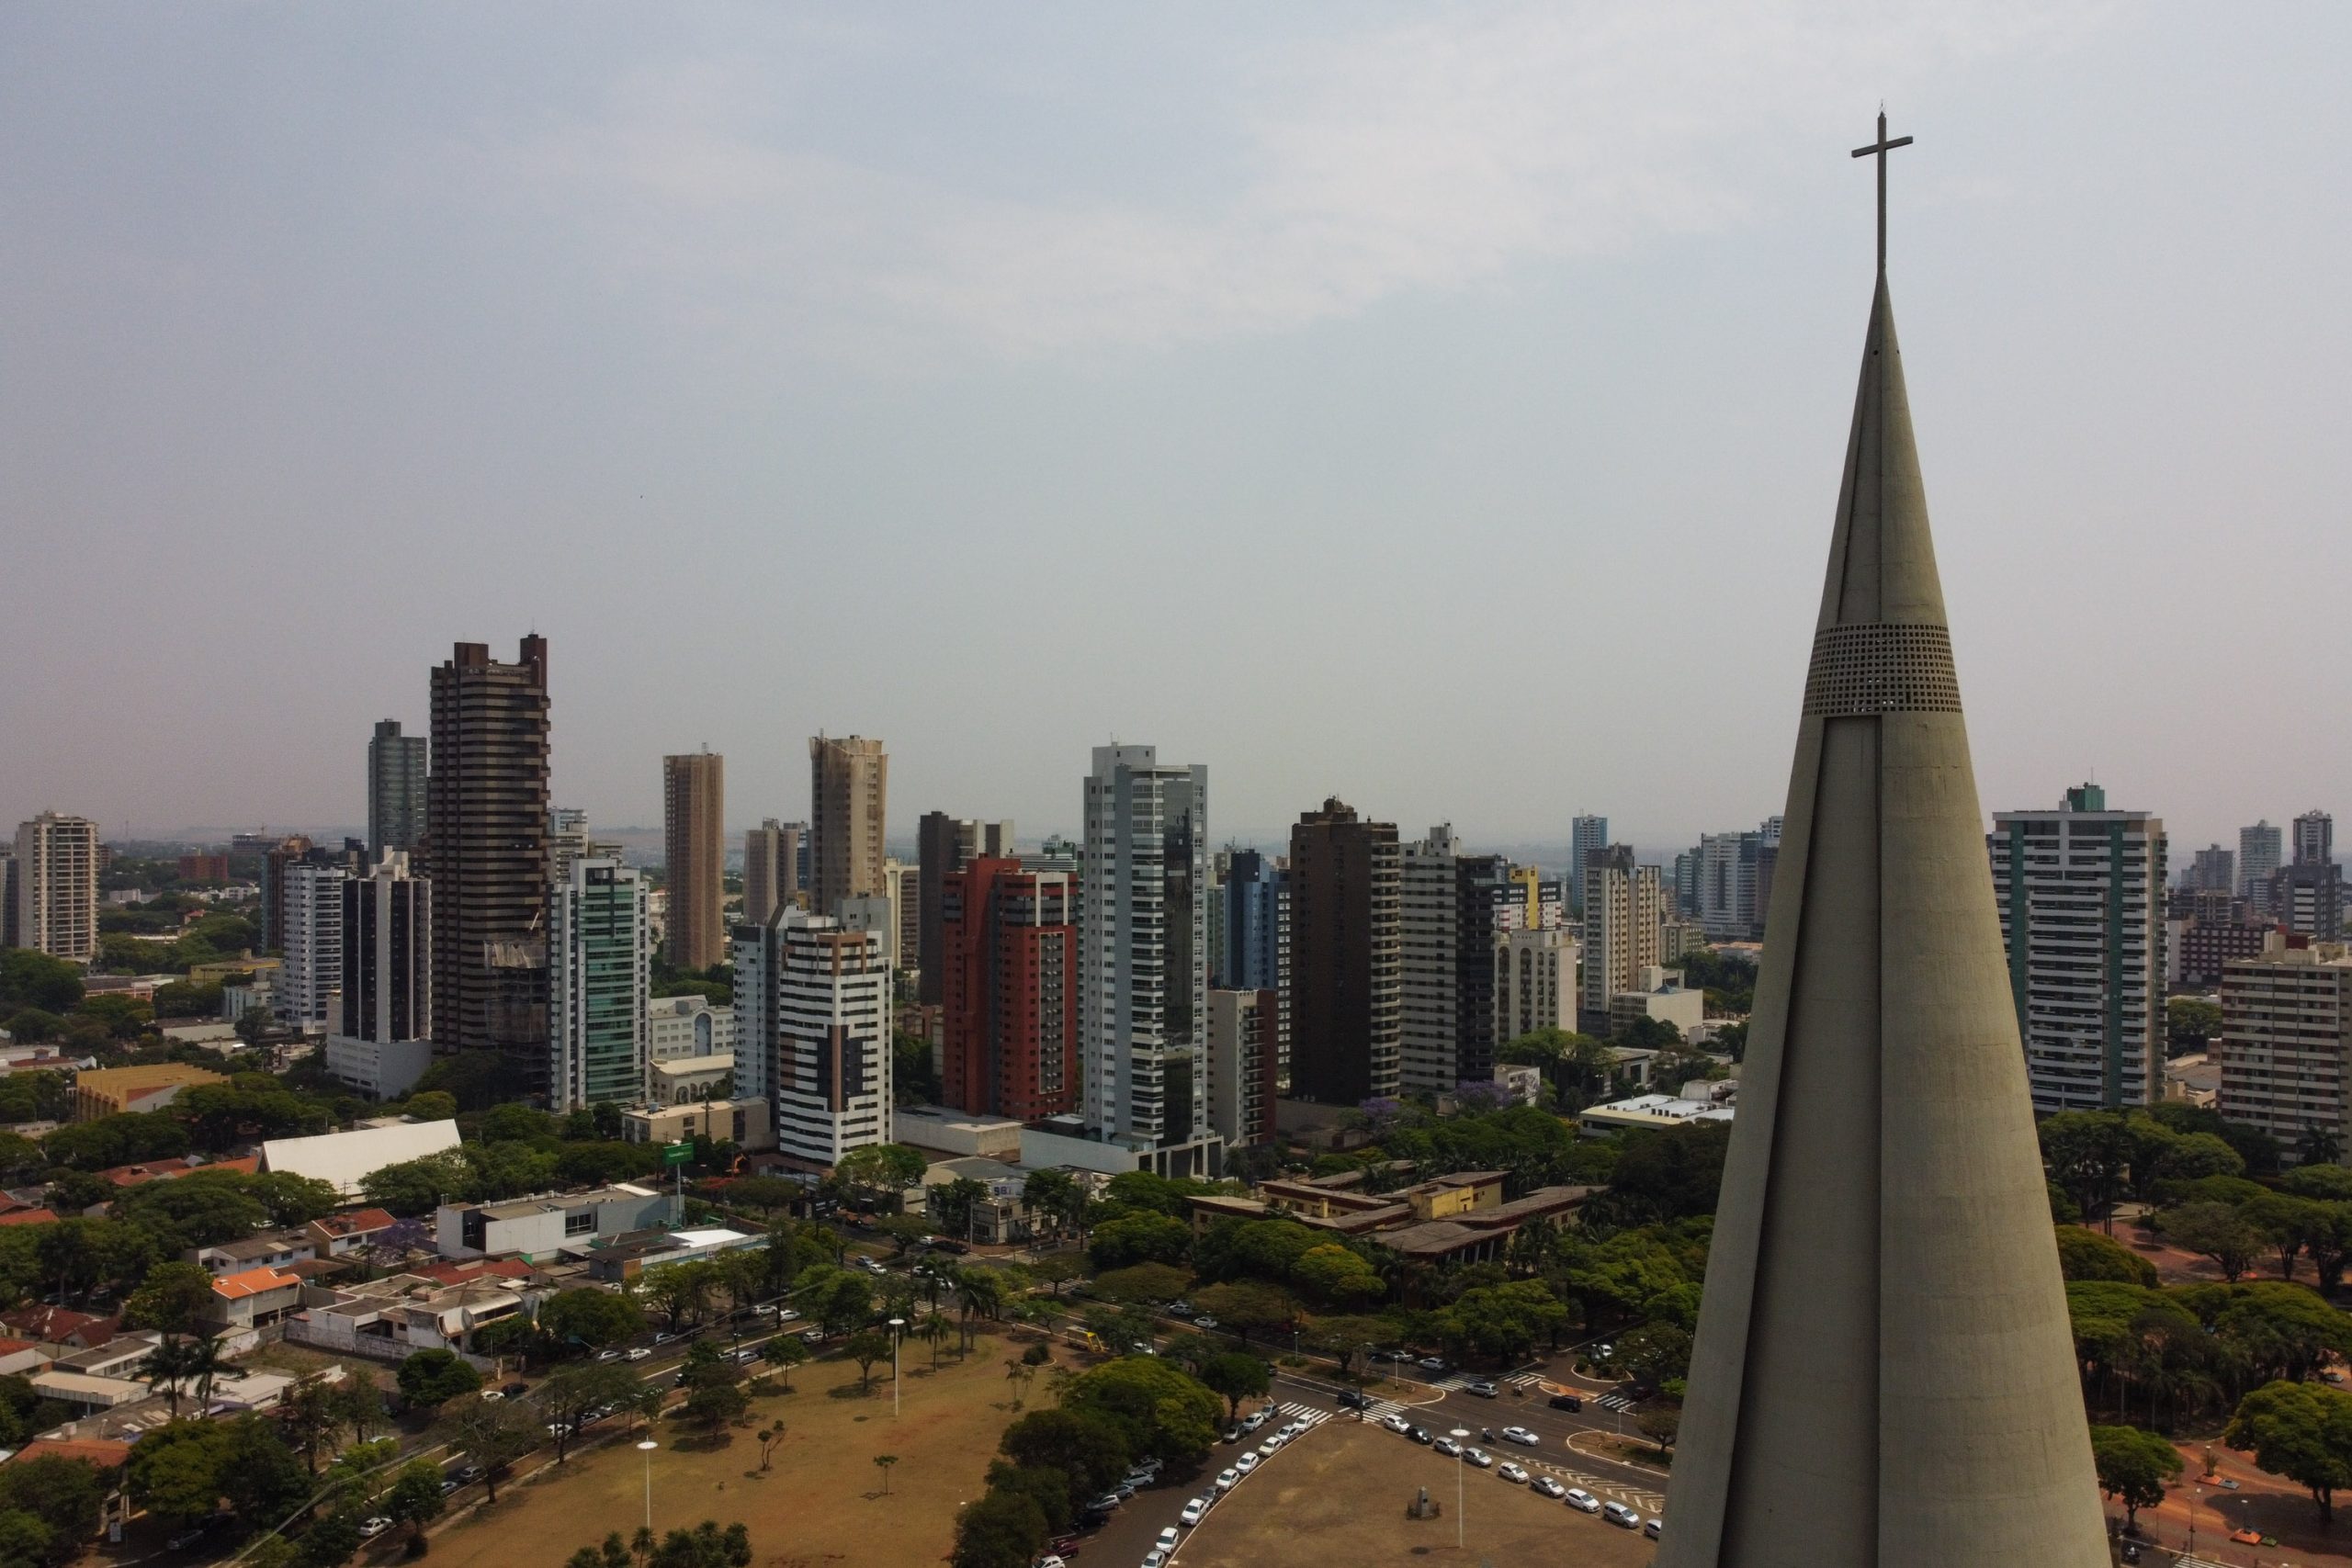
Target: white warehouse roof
{"type": "Point", "coordinates": [340, 1160]}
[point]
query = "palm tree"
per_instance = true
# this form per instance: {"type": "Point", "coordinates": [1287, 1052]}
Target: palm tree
{"type": "Point", "coordinates": [206, 1362]}
{"type": "Point", "coordinates": [935, 1327]}
{"type": "Point", "coordinates": [977, 1293]}
{"type": "Point", "coordinates": [166, 1366]}
{"type": "Point", "coordinates": [2319, 1146]}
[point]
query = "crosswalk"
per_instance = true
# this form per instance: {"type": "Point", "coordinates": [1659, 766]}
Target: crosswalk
{"type": "Point", "coordinates": [1381, 1409]}
{"type": "Point", "coordinates": [1525, 1380]}
{"type": "Point", "coordinates": [1454, 1382]}
{"type": "Point", "coordinates": [1306, 1413]}
{"type": "Point", "coordinates": [1632, 1496]}
{"type": "Point", "coordinates": [1615, 1402]}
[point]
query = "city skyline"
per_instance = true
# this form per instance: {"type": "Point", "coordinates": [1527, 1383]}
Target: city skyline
{"type": "Point", "coordinates": [302, 332]}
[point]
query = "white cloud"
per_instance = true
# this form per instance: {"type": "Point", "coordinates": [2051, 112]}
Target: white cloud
{"type": "Point", "coordinates": [1426, 156]}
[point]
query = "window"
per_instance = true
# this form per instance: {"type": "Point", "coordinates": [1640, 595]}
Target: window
{"type": "Point", "coordinates": [580, 1221]}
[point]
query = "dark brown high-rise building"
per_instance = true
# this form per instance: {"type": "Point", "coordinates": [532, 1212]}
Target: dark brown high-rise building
{"type": "Point", "coordinates": [486, 851]}
{"type": "Point", "coordinates": [945, 845]}
{"type": "Point", "coordinates": [849, 788]}
{"type": "Point", "coordinates": [693, 804]}
{"type": "Point", "coordinates": [1346, 974]}
{"type": "Point", "coordinates": [771, 869]}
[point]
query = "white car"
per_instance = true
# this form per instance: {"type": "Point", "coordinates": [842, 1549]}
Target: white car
{"type": "Point", "coordinates": [1522, 1435]}
{"type": "Point", "coordinates": [1266, 1449]}
{"type": "Point", "coordinates": [1548, 1487]}
{"type": "Point", "coordinates": [1298, 1428]}
{"type": "Point", "coordinates": [1618, 1513]}
{"type": "Point", "coordinates": [1166, 1541]}
{"type": "Point", "coordinates": [1397, 1424]}
{"type": "Point", "coordinates": [1155, 1560]}
{"type": "Point", "coordinates": [787, 1315]}
{"type": "Point", "coordinates": [1513, 1473]}
{"type": "Point", "coordinates": [1447, 1447]}
{"type": "Point", "coordinates": [1246, 1464]}
{"type": "Point", "coordinates": [370, 1529]}
{"type": "Point", "coordinates": [638, 1353]}
{"type": "Point", "coordinates": [1254, 1420]}
{"type": "Point", "coordinates": [1582, 1501]}
{"type": "Point", "coordinates": [1480, 1458]}
{"type": "Point", "coordinates": [1194, 1511]}
{"type": "Point", "coordinates": [1227, 1478]}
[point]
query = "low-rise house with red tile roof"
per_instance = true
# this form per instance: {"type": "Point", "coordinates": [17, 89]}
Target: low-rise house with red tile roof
{"type": "Point", "coordinates": [62, 1325]}
{"type": "Point", "coordinates": [254, 1298]}
{"type": "Point", "coordinates": [339, 1234]}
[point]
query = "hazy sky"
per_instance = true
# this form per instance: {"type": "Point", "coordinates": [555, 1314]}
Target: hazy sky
{"type": "Point", "coordinates": [1440, 406]}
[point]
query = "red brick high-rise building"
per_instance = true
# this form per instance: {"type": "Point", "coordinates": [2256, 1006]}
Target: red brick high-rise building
{"type": "Point", "coordinates": [1009, 993]}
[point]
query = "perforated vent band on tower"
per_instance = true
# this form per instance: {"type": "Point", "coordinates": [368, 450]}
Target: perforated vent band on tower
{"type": "Point", "coordinates": [1881, 668]}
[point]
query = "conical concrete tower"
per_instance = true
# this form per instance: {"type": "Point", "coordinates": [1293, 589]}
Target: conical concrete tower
{"type": "Point", "coordinates": [1884, 1373]}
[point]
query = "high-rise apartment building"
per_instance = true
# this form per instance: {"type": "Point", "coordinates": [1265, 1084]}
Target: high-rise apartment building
{"type": "Point", "coordinates": [2258, 857]}
{"type": "Point", "coordinates": [2081, 891]}
{"type": "Point", "coordinates": [2214, 870]}
{"type": "Point", "coordinates": [771, 869]}
{"type": "Point", "coordinates": [387, 954]}
{"type": "Point", "coordinates": [56, 873]}
{"type": "Point", "coordinates": [849, 788]}
{"type": "Point", "coordinates": [396, 771]}
{"type": "Point", "coordinates": [905, 883]}
{"type": "Point", "coordinates": [309, 981]}
{"type": "Point", "coordinates": [945, 845]}
{"type": "Point", "coordinates": [1625, 915]}
{"type": "Point", "coordinates": [1535, 981]}
{"type": "Point", "coordinates": [1429, 969]}
{"type": "Point", "coordinates": [1585, 835]}
{"type": "Point", "coordinates": [1009, 990]}
{"type": "Point", "coordinates": [1143, 960]}
{"type": "Point", "coordinates": [1243, 1029]}
{"type": "Point", "coordinates": [694, 843]}
{"type": "Point", "coordinates": [486, 851]}
{"type": "Point", "coordinates": [2307, 897]}
{"type": "Point", "coordinates": [1734, 881]}
{"type": "Point", "coordinates": [1253, 938]}
{"type": "Point", "coordinates": [1345, 957]}
{"type": "Point", "coordinates": [600, 967]}
{"type": "Point", "coordinates": [2314, 838]}
{"type": "Point", "coordinates": [812, 1033]}
{"type": "Point", "coordinates": [2286, 1041]}
{"type": "Point", "coordinates": [293, 850]}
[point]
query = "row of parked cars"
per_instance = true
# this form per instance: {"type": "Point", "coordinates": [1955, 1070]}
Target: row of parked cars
{"type": "Point", "coordinates": [1576, 1497]}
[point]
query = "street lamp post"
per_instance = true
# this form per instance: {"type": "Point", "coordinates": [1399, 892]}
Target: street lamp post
{"type": "Point", "coordinates": [1461, 1435]}
{"type": "Point", "coordinates": [647, 1448]}
{"type": "Point", "coordinates": [896, 1325]}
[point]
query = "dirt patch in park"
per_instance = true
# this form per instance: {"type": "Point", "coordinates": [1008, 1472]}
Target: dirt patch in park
{"type": "Point", "coordinates": [821, 1502]}
{"type": "Point", "coordinates": [1345, 1489]}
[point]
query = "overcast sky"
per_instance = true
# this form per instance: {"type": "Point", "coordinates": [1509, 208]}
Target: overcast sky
{"type": "Point", "coordinates": [1438, 406]}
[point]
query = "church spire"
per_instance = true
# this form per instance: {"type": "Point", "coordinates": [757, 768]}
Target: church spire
{"type": "Point", "coordinates": [1885, 1370]}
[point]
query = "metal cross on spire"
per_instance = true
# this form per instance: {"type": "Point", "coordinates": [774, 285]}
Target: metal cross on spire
{"type": "Point", "coordinates": [1879, 149]}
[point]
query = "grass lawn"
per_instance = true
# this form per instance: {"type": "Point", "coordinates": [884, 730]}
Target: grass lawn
{"type": "Point", "coordinates": [821, 1502]}
{"type": "Point", "coordinates": [1345, 1488]}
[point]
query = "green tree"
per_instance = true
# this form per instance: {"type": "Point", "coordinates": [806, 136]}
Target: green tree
{"type": "Point", "coordinates": [332, 1540]}
{"type": "Point", "coordinates": [1138, 1238]}
{"type": "Point", "coordinates": [1335, 1277]}
{"type": "Point", "coordinates": [64, 1496]}
{"type": "Point", "coordinates": [1237, 1375]}
{"type": "Point", "coordinates": [711, 1381]}
{"type": "Point", "coordinates": [1248, 1307]}
{"type": "Point", "coordinates": [415, 1499]}
{"type": "Point", "coordinates": [879, 1172]}
{"type": "Point", "coordinates": [2302, 1431]}
{"type": "Point", "coordinates": [591, 1319]}
{"type": "Point", "coordinates": [705, 1546]}
{"type": "Point", "coordinates": [883, 1463]}
{"type": "Point", "coordinates": [783, 1352]}
{"type": "Point", "coordinates": [1507, 1321]}
{"type": "Point", "coordinates": [1089, 1448]}
{"type": "Point", "coordinates": [312, 1416]}
{"type": "Point", "coordinates": [420, 1186]}
{"type": "Point", "coordinates": [570, 1392]}
{"type": "Point", "coordinates": [2088, 1255]}
{"type": "Point", "coordinates": [2213, 1230]}
{"type": "Point", "coordinates": [1661, 1422]}
{"type": "Point", "coordinates": [2190, 1023]}
{"type": "Point", "coordinates": [1158, 1409]}
{"type": "Point", "coordinates": [1002, 1529]}
{"type": "Point", "coordinates": [173, 1298]}
{"type": "Point", "coordinates": [1149, 1282]}
{"type": "Point", "coordinates": [2133, 1466]}
{"type": "Point", "coordinates": [178, 1469]}
{"type": "Point", "coordinates": [866, 1348]}
{"type": "Point", "coordinates": [430, 1379]}
{"type": "Point", "coordinates": [29, 978]}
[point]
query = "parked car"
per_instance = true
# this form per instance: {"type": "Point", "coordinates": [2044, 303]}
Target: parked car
{"type": "Point", "coordinates": [1419, 1435]}
{"type": "Point", "coordinates": [1618, 1513]}
{"type": "Point", "coordinates": [1651, 1527]}
{"type": "Point", "coordinates": [1565, 1402]}
{"type": "Point", "coordinates": [370, 1529]}
{"type": "Point", "coordinates": [1397, 1424]}
{"type": "Point", "coordinates": [1521, 1435]}
{"type": "Point", "coordinates": [787, 1314]}
{"type": "Point", "coordinates": [764, 1309]}
{"type": "Point", "coordinates": [1254, 1420]}
{"type": "Point", "coordinates": [1447, 1447]}
{"type": "Point", "coordinates": [1193, 1512]}
{"type": "Point", "coordinates": [467, 1474]}
{"type": "Point", "coordinates": [491, 1394]}
{"type": "Point", "coordinates": [1155, 1557]}
{"type": "Point", "coordinates": [602, 1356]}
{"type": "Point", "coordinates": [1233, 1434]}
{"type": "Point", "coordinates": [1482, 1388]}
{"type": "Point", "coordinates": [1204, 1321]}
{"type": "Point", "coordinates": [1354, 1399]}
{"type": "Point", "coordinates": [1515, 1475]}
{"type": "Point", "coordinates": [1246, 1464]}
{"type": "Point", "coordinates": [1166, 1541]}
{"type": "Point", "coordinates": [1479, 1457]}
{"type": "Point", "coordinates": [1105, 1503]}
{"type": "Point", "coordinates": [1180, 1309]}
{"type": "Point", "coordinates": [1266, 1449]}
{"type": "Point", "coordinates": [639, 1352]}
{"type": "Point", "coordinates": [1582, 1501]}
{"type": "Point", "coordinates": [1430, 1364]}
{"type": "Point", "coordinates": [1548, 1488]}
{"type": "Point", "coordinates": [1227, 1478]}
{"type": "Point", "coordinates": [515, 1390]}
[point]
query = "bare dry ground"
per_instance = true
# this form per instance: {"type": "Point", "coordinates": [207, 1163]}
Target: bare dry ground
{"type": "Point", "coordinates": [821, 1504]}
{"type": "Point", "coordinates": [1340, 1495]}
